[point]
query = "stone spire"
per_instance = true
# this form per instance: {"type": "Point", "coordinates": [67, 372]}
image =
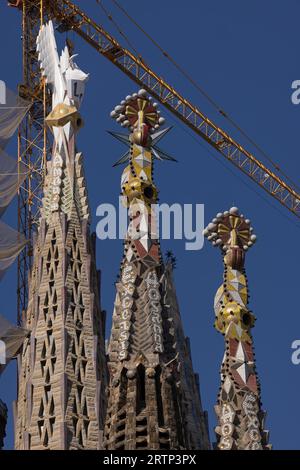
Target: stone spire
{"type": "Point", "coordinates": [239, 413]}
{"type": "Point", "coordinates": [154, 400]}
{"type": "Point", "coordinates": [62, 370]}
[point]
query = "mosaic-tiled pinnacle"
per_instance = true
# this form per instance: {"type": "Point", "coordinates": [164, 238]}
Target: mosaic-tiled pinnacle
{"type": "Point", "coordinates": [153, 395]}
{"type": "Point", "coordinates": [239, 413]}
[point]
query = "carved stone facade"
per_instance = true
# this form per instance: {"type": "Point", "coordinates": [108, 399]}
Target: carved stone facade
{"type": "Point", "coordinates": [197, 434]}
{"type": "Point", "coordinates": [62, 367]}
{"type": "Point", "coordinates": [153, 395]}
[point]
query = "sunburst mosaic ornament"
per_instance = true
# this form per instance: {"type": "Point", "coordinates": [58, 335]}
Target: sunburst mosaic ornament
{"type": "Point", "coordinates": [142, 108]}
{"type": "Point", "coordinates": [233, 233]}
{"type": "Point", "coordinates": [230, 229]}
{"type": "Point", "coordinates": [139, 113]}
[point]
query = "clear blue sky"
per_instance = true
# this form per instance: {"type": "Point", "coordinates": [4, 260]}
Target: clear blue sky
{"type": "Point", "coordinates": [245, 55]}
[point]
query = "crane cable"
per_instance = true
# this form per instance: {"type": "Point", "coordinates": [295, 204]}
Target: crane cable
{"type": "Point", "coordinates": [227, 167]}
{"type": "Point", "coordinates": [109, 16]}
{"type": "Point", "coordinates": [200, 89]}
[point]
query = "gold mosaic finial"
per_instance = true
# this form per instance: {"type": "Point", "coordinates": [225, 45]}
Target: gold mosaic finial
{"type": "Point", "coordinates": [141, 116]}
{"type": "Point", "coordinates": [233, 234]}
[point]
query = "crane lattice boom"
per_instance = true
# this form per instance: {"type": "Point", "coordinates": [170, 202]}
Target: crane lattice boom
{"type": "Point", "coordinates": [135, 68]}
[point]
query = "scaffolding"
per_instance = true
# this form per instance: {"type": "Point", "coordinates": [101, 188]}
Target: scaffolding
{"type": "Point", "coordinates": [34, 142]}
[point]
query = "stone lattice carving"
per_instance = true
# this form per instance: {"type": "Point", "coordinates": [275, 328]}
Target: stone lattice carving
{"type": "Point", "coordinates": [153, 395]}
{"type": "Point", "coordinates": [240, 417]}
{"type": "Point", "coordinates": [62, 369]}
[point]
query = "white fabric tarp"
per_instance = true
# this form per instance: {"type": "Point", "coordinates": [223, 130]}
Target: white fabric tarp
{"type": "Point", "coordinates": [11, 340]}
{"type": "Point", "coordinates": [12, 110]}
{"type": "Point", "coordinates": [11, 244]}
{"type": "Point", "coordinates": [12, 176]}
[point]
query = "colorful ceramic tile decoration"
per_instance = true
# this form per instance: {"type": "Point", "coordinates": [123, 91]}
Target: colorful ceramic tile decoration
{"type": "Point", "coordinates": [240, 417]}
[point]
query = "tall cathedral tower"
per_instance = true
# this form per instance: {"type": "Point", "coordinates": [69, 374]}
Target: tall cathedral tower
{"type": "Point", "coordinates": [62, 371]}
{"type": "Point", "coordinates": [239, 413]}
{"type": "Point", "coordinates": [154, 400]}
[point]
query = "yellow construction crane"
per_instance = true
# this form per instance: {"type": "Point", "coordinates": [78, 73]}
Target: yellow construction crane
{"type": "Point", "coordinates": [33, 152]}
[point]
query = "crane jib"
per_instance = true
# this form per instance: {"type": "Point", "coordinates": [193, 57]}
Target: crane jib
{"type": "Point", "coordinates": [137, 70]}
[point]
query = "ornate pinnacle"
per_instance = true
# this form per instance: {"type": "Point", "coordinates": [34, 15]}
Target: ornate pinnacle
{"type": "Point", "coordinates": [240, 418]}
{"type": "Point", "coordinates": [233, 234]}
{"type": "Point", "coordinates": [140, 115]}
